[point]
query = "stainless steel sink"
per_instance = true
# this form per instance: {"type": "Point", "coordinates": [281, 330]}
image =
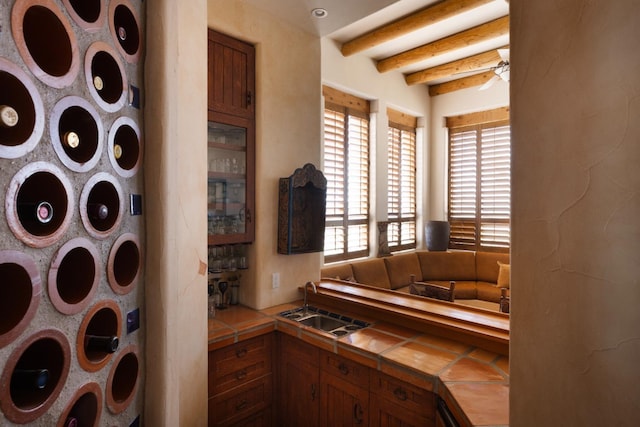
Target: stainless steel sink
{"type": "Point", "coordinates": [334, 323]}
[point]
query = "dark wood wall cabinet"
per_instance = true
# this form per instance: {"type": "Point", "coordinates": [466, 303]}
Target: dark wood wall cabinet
{"type": "Point", "coordinates": [231, 140]}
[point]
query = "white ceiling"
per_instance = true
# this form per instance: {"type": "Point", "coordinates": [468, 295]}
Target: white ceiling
{"type": "Point", "coordinates": [348, 19]}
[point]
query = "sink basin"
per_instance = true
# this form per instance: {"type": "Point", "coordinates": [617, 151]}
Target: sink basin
{"type": "Point", "coordinates": [333, 323]}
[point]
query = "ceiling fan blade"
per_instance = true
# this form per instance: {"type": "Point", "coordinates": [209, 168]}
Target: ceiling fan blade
{"type": "Point", "coordinates": [504, 54]}
{"type": "Point", "coordinates": [490, 82]}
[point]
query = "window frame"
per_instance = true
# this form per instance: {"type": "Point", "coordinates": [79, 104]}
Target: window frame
{"type": "Point", "coordinates": [488, 229]}
{"type": "Point", "coordinates": [349, 223]}
{"type": "Point", "coordinates": [401, 181]}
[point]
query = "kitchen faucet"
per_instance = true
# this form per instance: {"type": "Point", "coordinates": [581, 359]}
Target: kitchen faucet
{"type": "Point", "coordinates": [315, 291]}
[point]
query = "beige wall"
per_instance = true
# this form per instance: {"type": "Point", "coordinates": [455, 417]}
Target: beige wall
{"type": "Point", "coordinates": [288, 119]}
{"type": "Point", "coordinates": [576, 207]}
{"type": "Point", "coordinates": [175, 171]}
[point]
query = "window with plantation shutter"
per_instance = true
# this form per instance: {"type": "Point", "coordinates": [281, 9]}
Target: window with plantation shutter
{"type": "Point", "coordinates": [480, 182]}
{"type": "Point", "coordinates": [401, 182]}
{"type": "Point", "coordinates": [346, 167]}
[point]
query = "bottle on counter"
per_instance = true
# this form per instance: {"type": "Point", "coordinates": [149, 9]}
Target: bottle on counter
{"type": "Point", "coordinates": [30, 379]}
{"type": "Point", "coordinates": [102, 343]}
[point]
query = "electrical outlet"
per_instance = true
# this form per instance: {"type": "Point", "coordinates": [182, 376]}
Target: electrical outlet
{"type": "Point", "coordinates": [133, 320]}
{"type": "Point", "coordinates": [275, 280]}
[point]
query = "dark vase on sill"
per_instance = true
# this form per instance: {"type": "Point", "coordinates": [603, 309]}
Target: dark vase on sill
{"type": "Point", "coordinates": [437, 235]}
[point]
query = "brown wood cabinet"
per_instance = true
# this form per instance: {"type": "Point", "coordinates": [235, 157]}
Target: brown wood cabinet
{"type": "Point", "coordinates": [241, 383]}
{"type": "Point", "coordinates": [397, 403]}
{"type": "Point", "coordinates": [231, 141]}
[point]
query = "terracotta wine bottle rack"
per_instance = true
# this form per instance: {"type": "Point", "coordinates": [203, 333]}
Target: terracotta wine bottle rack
{"type": "Point", "coordinates": [36, 182]}
{"type": "Point", "coordinates": [125, 147]}
{"type": "Point", "coordinates": [125, 29]}
{"type": "Point", "coordinates": [76, 133]}
{"type": "Point", "coordinates": [103, 319]}
{"type": "Point", "coordinates": [45, 41]}
{"type": "Point", "coordinates": [106, 77]}
{"type": "Point", "coordinates": [123, 265]}
{"type": "Point", "coordinates": [47, 349]}
{"type": "Point", "coordinates": [19, 93]}
{"type": "Point", "coordinates": [74, 276]}
{"type": "Point", "coordinates": [88, 14]}
{"type": "Point", "coordinates": [71, 154]}
{"type": "Point", "coordinates": [123, 379]}
{"type": "Point", "coordinates": [85, 407]}
{"type": "Point", "coordinates": [18, 302]}
{"type": "Point", "coordinates": [101, 192]}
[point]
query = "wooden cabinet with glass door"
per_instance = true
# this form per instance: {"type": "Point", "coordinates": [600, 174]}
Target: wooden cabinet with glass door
{"type": "Point", "coordinates": [230, 181]}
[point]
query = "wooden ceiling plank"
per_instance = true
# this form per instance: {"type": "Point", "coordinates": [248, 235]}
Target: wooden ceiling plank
{"type": "Point", "coordinates": [487, 31]}
{"type": "Point", "coordinates": [472, 63]}
{"type": "Point", "coordinates": [428, 16]}
{"type": "Point", "coordinates": [463, 83]}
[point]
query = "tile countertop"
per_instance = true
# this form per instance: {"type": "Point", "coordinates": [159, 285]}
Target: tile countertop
{"type": "Point", "coordinates": [473, 382]}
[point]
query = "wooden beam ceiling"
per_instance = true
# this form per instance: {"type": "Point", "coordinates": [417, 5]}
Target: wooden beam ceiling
{"type": "Point", "coordinates": [469, 64]}
{"type": "Point", "coordinates": [424, 17]}
{"type": "Point", "coordinates": [488, 31]}
{"type": "Point", "coordinates": [481, 64]}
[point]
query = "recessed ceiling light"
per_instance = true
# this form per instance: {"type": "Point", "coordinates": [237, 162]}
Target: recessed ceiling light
{"type": "Point", "coordinates": [319, 12]}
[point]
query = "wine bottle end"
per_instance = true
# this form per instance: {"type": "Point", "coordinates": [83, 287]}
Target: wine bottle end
{"type": "Point", "coordinates": [44, 212]}
{"type": "Point", "coordinates": [122, 33]}
{"type": "Point", "coordinates": [114, 345]}
{"type": "Point", "coordinates": [8, 116]}
{"type": "Point", "coordinates": [71, 422]}
{"type": "Point", "coordinates": [71, 139]}
{"type": "Point", "coordinates": [117, 151]}
{"type": "Point", "coordinates": [98, 83]}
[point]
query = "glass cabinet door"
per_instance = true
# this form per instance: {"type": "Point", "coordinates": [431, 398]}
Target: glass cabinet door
{"type": "Point", "coordinates": [229, 200]}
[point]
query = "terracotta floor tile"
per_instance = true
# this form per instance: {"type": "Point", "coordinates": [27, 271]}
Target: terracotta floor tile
{"type": "Point", "coordinates": [444, 343]}
{"type": "Point", "coordinates": [420, 358]}
{"type": "Point", "coordinates": [483, 355]}
{"type": "Point", "coordinates": [467, 369]}
{"type": "Point", "coordinates": [484, 403]}
{"type": "Point", "coordinates": [370, 340]}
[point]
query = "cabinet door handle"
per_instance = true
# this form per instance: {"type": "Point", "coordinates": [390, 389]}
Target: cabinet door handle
{"type": "Point", "coordinates": [313, 392]}
{"type": "Point", "coordinates": [240, 375]}
{"type": "Point", "coordinates": [242, 352]}
{"type": "Point", "coordinates": [248, 215]}
{"type": "Point", "coordinates": [242, 405]}
{"type": "Point", "coordinates": [400, 394]}
{"type": "Point", "coordinates": [357, 413]}
{"type": "Point", "coordinates": [249, 98]}
{"type": "Point", "coordinates": [344, 369]}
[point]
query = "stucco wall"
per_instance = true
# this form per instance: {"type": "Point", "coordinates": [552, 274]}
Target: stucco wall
{"type": "Point", "coordinates": [576, 204]}
{"type": "Point", "coordinates": [288, 129]}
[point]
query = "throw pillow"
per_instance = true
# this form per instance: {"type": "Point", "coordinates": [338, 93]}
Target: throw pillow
{"type": "Point", "coordinates": [503, 275]}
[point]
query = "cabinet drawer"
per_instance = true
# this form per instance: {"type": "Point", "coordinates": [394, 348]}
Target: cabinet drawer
{"type": "Point", "coordinates": [241, 402]}
{"type": "Point", "coordinates": [401, 393]}
{"type": "Point", "coordinates": [346, 369]}
{"type": "Point", "coordinates": [239, 363]}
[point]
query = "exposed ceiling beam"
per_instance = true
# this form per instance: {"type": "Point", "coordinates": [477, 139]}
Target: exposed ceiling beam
{"type": "Point", "coordinates": [481, 33]}
{"type": "Point", "coordinates": [472, 63]}
{"type": "Point", "coordinates": [430, 15]}
{"type": "Point", "coordinates": [463, 83]}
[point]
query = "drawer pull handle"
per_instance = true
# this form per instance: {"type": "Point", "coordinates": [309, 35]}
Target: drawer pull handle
{"type": "Point", "coordinates": [344, 369]}
{"type": "Point", "coordinates": [313, 392]}
{"type": "Point", "coordinates": [400, 394]}
{"type": "Point", "coordinates": [241, 353]}
{"type": "Point", "coordinates": [242, 405]}
{"type": "Point", "coordinates": [357, 413]}
{"type": "Point", "coordinates": [240, 375]}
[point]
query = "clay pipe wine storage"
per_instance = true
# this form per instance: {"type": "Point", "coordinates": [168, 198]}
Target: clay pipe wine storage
{"type": "Point", "coordinates": [123, 380]}
{"type": "Point", "coordinates": [125, 30]}
{"type": "Point", "coordinates": [19, 301]}
{"type": "Point", "coordinates": [99, 335]}
{"type": "Point", "coordinates": [106, 77]}
{"type": "Point", "coordinates": [88, 14]}
{"type": "Point", "coordinates": [22, 117]}
{"type": "Point", "coordinates": [34, 375]}
{"type": "Point", "coordinates": [74, 276]}
{"type": "Point", "coordinates": [84, 409]}
{"type": "Point", "coordinates": [123, 265]}
{"type": "Point", "coordinates": [125, 151]}
{"type": "Point", "coordinates": [101, 205]}
{"type": "Point", "coordinates": [39, 204]}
